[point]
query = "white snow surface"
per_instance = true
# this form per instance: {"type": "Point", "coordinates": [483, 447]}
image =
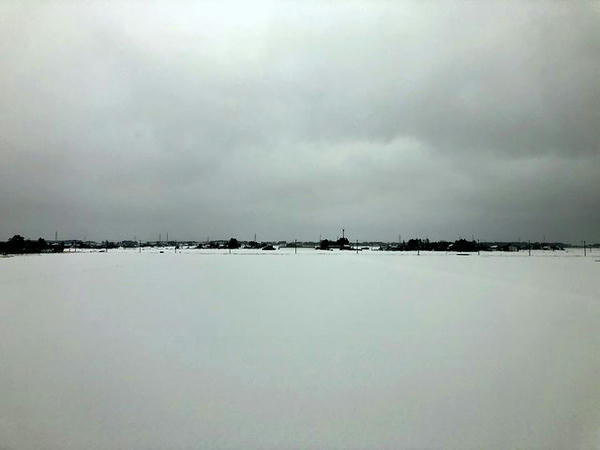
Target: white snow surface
{"type": "Point", "coordinates": [322, 350]}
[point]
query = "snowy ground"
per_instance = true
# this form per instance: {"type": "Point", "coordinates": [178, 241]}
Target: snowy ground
{"type": "Point", "coordinates": [271, 350]}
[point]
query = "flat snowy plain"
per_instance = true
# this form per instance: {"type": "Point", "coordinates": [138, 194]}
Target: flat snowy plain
{"type": "Point", "coordinates": [319, 350]}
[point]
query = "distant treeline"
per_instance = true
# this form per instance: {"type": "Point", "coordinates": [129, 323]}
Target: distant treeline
{"type": "Point", "coordinates": [18, 244]}
{"type": "Point", "coordinates": [463, 245]}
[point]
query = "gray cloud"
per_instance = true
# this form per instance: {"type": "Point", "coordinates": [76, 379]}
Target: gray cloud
{"type": "Point", "coordinates": [292, 120]}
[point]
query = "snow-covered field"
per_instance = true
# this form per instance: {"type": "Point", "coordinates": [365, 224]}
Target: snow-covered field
{"type": "Point", "coordinates": [319, 350]}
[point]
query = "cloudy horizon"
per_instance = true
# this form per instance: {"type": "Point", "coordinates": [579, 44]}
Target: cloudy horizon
{"type": "Point", "coordinates": [293, 120]}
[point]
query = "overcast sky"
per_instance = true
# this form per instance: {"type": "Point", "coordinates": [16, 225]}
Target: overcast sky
{"type": "Point", "coordinates": [291, 120]}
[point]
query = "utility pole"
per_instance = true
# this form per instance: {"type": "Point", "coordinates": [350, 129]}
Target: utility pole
{"type": "Point", "coordinates": [529, 247]}
{"type": "Point", "coordinates": [342, 233]}
{"type": "Point", "coordinates": [357, 246]}
{"type": "Point", "coordinates": [478, 246]}
{"type": "Point", "coordinates": [584, 249]}
{"type": "Point", "coordinates": [140, 246]}
{"type": "Point", "coordinates": [295, 250]}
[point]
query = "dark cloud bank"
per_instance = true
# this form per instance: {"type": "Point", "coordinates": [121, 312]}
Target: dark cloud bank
{"type": "Point", "coordinates": [291, 119]}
